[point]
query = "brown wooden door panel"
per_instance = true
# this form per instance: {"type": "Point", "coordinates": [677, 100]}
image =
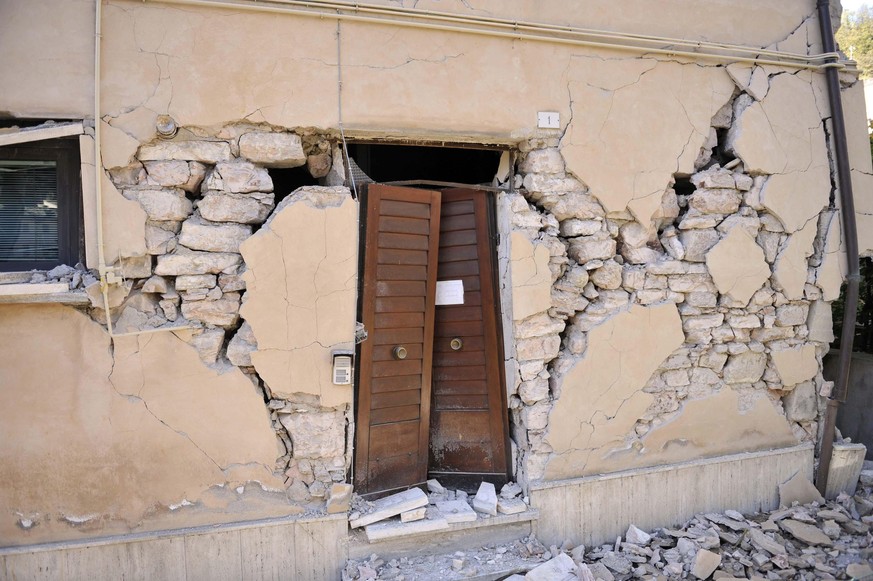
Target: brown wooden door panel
{"type": "Point", "coordinates": [465, 313]}
{"type": "Point", "coordinates": [386, 352]}
{"type": "Point", "coordinates": [395, 398]}
{"type": "Point", "coordinates": [400, 305]}
{"type": "Point", "coordinates": [458, 253]}
{"type": "Point", "coordinates": [396, 383]}
{"type": "Point", "coordinates": [469, 421]}
{"type": "Point", "coordinates": [395, 414]}
{"type": "Point", "coordinates": [399, 284]}
{"type": "Point", "coordinates": [461, 238]}
{"type": "Point", "coordinates": [402, 241]}
{"type": "Point", "coordinates": [401, 288]}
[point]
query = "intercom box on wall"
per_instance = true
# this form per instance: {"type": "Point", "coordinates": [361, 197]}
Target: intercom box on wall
{"type": "Point", "coordinates": [343, 367]}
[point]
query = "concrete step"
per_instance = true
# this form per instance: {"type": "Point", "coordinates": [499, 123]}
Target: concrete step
{"type": "Point", "coordinates": [503, 528]}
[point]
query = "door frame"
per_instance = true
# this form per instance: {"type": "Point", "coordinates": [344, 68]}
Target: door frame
{"type": "Point", "coordinates": [494, 236]}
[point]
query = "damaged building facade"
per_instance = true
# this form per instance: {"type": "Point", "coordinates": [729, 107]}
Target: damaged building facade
{"type": "Point", "coordinates": [595, 264]}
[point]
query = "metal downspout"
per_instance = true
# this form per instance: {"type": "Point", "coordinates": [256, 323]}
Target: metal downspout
{"type": "Point", "coordinates": [850, 236]}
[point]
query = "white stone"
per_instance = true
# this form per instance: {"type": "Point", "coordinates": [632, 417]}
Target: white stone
{"type": "Point", "coordinates": [585, 249]}
{"type": "Point", "coordinates": [607, 276]}
{"type": "Point", "coordinates": [242, 208]}
{"type": "Point", "coordinates": [801, 403]}
{"type": "Point", "coordinates": [510, 505]}
{"type": "Point", "coordinates": [168, 173]}
{"type": "Point", "coordinates": [737, 266]}
{"type": "Point", "coordinates": [199, 234]}
{"type": "Point", "coordinates": [223, 312]}
{"type": "Point", "coordinates": [241, 346]}
{"type": "Point", "coordinates": [159, 240]}
{"type": "Point", "coordinates": [388, 506]}
{"type": "Point", "coordinates": [184, 261]}
{"type": "Point", "coordinates": [162, 205]}
{"type": "Point", "coordinates": [791, 314]}
{"type": "Point", "coordinates": [559, 568]}
{"type": "Point", "coordinates": [572, 205]}
{"type": "Point", "coordinates": [575, 227]}
{"type": "Point", "coordinates": [393, 529]}
{"type": "Point", "coordinates": [204, 151]}
{"type": "Point", "coordinates": [745, 367]}
{"type": "Point", "coordinates": [821, 322]}
{"type": "Point", "coordinates": [433, 485]}
{"type": "Point", "coordinates": [238, 177]}
{"type": "Point", "coordinates": [208, 343]}
{"type": "Point", "coordinates": [547, 161]}
{"type": "Point", "coordinates": [796, 364]}
{"type": "Point", "coordinates": [155, 284]}
{"type": "Point", "coordinates": [485, 500]}
{"type": "Point", "coordinates": [637, 536]}
{"type": "Point", "coordinates": [188, 282]}
{"type": "Point", "coordinates": [705, 563]}
{"type": "Point", "coordinates": [716, 201]}
{"type": "Point", "coordinates": [272, 149]}
{"type": "Point", "coordinates": [413, 515]}
{"type": "Point", "coordinates": [697, 243]}
{"type": "Point", "coordinates": [455, 511]}
{"type": "Point", "coordinates": [809, 534]}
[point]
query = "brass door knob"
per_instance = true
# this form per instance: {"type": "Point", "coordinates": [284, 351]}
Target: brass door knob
{"type": "Point", "coordinates": [399, 352]}
{"type": "Point", "coordinates": [456, 344]}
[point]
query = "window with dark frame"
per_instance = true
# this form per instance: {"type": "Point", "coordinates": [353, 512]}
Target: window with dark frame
{"type": "Point", "coordinates": [40, 205]}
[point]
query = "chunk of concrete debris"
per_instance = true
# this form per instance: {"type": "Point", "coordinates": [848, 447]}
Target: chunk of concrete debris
{"type": "Point", "coordinates": [765, 543]}
{"type": "Point", "coordinates": [390, 529]}
{"type": "Point", "coordinates": [413, 515]}
{"type": "Point", "coordinates": [392, 506]}
{"type": "Point", "coordinates": [705, 562]}
{"type": "Point", "coordinates": [485, 500]}
{"type": "Point", "coordinates": [510, 505]}
{"type": "Point", "coordinates": [434, 486]}
{"type": "Point", "coordinates": [455, 511]}
{"type": "Point", "coordinates": [560, 568]}
{"type": "Point", "coordinates": [798, 489]}
{"type": "Point", "coordinates": [859, 571]}
{"type": "Point", "coordinates": [601, 572]}
{"type": "Point", "coordinates": [510, 490]}
{"type": "Point", "coordinates": [809, 534]}
{"type": "Point", "coordinates": [637, 536]}
{"type": "Point", "coordinates": [339, 499]}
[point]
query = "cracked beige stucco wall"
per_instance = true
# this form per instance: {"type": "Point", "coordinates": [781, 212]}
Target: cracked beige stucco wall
{"type": "Point", "coordinates": [100, 442]}
{"type": "Point", "coordinates": [301, 278]}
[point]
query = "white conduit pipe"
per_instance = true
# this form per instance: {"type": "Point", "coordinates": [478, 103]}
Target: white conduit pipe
{"type": "Point", "coordinates": [107, 276]}
{"type": "Point", "coordinates": [520, 30]}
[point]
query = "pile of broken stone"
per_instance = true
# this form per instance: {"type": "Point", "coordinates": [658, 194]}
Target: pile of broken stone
{"type": "Point", "coordinates": [806, 538]}
{"type": "Point", "coordinates": [413, 512]}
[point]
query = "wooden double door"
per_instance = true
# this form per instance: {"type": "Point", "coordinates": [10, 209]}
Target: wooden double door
{"type": "Point", "coordinates": [430, 401]}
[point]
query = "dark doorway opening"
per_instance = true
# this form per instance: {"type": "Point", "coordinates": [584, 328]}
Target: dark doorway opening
{"type": "Point", "coordinates": [390, 163]}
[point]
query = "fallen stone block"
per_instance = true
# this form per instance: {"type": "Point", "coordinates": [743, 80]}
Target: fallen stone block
{"type": "Point", "coordinates": [637, 536]}
{"type": "Point", "coordinates": [510, 505]}
{"type": "Point", "coordinates": [392, 506]}
{"type": "Point", "coordinates": [798, 489]}
{"type": "Point", "coordinates": [485, 500]}
{"type": "Point", "coordinates": [455, 511]}
{"type": "Point", "coordinates": [391, 529]}
{"type": "Point", "coordinates": [705, 562]}
{"type": "Point", "coordinates": [413, 515]}
{"type": "Point", "coordinates": [339, 499]}
{"type": "Point", "coordinates": [561, 568]}
{"type": "Point", "coordinates": [809, 534]}
{"type": "Point", "coordinates": [434, 486]}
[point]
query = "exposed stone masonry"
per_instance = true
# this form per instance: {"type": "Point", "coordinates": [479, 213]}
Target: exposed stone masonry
{"type": "Point", "coordinates": [203, 199]}
{"type": "Point", "coordinates": [747, 291]}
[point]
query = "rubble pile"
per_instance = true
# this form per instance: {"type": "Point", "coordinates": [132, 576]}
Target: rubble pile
{"type": "Point", "coordinates": [817, 540]}
{"type": "Point", "coordinates": [413, 512]}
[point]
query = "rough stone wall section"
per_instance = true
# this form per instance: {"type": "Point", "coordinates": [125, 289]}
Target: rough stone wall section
{"type": "Point", "coordinates": [205, 196]}
{"type": "Point", "coordinates": [739, 265]}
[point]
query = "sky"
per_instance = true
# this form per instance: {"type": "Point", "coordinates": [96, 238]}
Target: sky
{"type": "Point", "coordinates": [854, 4]}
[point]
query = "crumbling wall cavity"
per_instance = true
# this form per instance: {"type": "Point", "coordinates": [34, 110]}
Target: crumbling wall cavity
{"type": "Point", "coordinates": [264, 280]}
{"type": "Point", "coordinates": [736, 263]}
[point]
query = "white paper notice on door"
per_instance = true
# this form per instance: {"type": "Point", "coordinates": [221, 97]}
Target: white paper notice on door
{"type": "Point", "coordinates": [450, 292]}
